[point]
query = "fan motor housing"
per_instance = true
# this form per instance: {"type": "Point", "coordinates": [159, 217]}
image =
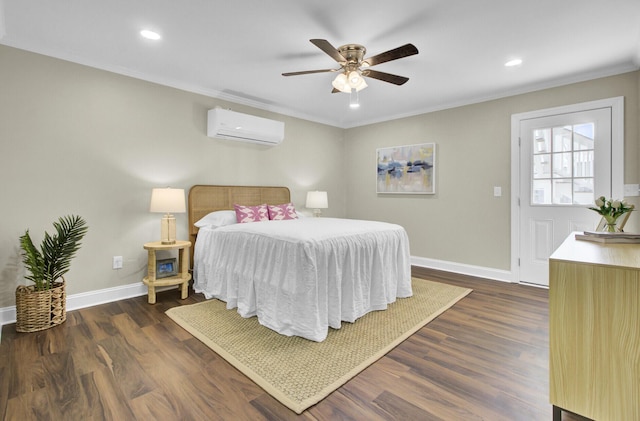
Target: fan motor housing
{"type": "Point", "coordinates": [353, 53]}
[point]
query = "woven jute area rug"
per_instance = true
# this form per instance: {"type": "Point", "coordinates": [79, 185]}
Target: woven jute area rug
{"type": "Point", "coordinates": [298, 372]}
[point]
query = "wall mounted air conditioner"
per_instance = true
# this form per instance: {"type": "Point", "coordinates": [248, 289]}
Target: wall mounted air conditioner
{"type": "Point", "coordinates": [227, 124]}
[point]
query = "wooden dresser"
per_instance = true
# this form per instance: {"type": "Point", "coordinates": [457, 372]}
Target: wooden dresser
{"type": "Point", "coordinates": [594, 330]}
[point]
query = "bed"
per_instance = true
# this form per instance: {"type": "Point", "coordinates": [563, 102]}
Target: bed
{"type": "Point", "coordinates": [301, 276]}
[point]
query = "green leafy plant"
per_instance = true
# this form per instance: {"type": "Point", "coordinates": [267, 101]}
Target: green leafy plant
{"type": "Point", "coordinates": [611, 209]}
{"type": "Point", "coordinates": [53, 259]}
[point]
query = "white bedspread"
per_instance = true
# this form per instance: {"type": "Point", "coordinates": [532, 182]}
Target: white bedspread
{"type": "Point", "coordinates": [301, 276]}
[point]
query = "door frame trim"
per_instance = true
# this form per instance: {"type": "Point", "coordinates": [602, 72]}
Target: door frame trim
{"type": "Point", "coordinates": [617, 157]}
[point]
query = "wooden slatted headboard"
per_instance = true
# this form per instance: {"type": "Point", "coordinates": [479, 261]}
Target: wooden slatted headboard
{"type": "Point", "coordinates": [204, 199]}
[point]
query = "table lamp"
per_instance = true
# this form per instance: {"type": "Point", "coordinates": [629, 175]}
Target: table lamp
{"type": "Point", "coordinates": [317, 200]}
{"type": "Point", "coordinates": [166, 201]}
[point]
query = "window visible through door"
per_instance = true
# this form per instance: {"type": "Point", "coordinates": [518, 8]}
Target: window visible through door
{"type": "Point", "coordinates": [563, 165]}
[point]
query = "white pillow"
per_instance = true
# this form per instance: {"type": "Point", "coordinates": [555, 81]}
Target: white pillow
{"type": "Point", "coordinates": [218, 219]}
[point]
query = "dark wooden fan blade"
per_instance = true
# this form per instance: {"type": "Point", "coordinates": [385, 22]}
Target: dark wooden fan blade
{"type": "Point", "coordinates": [386, 77]}
{"type": "Point", "coordinates": [307, 72]}
{"type": "Point", "coordinates": [334, 91]}
{"type": "Point", "coordinates": [325, 46]}
{"type": "Point", "coordinates": [400, 52]}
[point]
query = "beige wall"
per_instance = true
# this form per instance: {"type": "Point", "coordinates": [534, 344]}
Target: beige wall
{"type": "Point", "coordinates": [79, 140]}
{"type": "Point", "coordinates": [463, 222]}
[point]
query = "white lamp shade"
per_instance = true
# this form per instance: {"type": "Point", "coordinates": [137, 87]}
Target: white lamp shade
{"type": "Point", "coordinates": [341, 83]}
{"type": "Point", "coordinates": [354, 78]}
{"type": "Point", "coordinates": [361, 85]}
{"type": "Point", "coordinates": [317, 200]}
{"type": "Point", "coordinates": [167, 200]}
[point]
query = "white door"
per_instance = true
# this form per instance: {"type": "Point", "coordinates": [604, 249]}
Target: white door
{"type": "Point", "coordinates": [565, 162]}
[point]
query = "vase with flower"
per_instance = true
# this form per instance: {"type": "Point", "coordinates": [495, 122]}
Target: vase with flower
{"type": "Point", "coordinates": [611, 210]}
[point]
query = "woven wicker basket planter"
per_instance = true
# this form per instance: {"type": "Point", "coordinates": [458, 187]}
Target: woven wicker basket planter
{"type": "Point", "coordinates": [40, 310]}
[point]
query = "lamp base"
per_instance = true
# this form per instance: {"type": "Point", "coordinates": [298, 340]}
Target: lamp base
{"type": "Point", "coordinates": [317, 213]}
{"type": "Point", "coordinates": [168, 229]}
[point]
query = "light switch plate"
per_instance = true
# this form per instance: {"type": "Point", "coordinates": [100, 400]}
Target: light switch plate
{"type": "Point", "coordinates": [497, 191]}
{"type": "Point", "coordinates": [631, 190]}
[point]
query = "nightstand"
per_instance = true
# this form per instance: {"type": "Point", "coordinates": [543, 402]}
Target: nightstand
{"type": "Point", "coordinates": [181, 276]}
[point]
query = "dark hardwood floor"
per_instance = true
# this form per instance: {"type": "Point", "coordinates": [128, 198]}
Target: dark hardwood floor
{"type": "Point", "coordinates": [483, 359]}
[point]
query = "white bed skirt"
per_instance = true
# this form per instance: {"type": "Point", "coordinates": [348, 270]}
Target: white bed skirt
{"type": "Point", "coordinates": [302, 276]}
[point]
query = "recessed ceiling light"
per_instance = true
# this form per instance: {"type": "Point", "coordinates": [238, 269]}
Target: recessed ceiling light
{"type": "Point", "coordinates": [514, 62]}
{"type": "Point", "coordinates": [150, 34]}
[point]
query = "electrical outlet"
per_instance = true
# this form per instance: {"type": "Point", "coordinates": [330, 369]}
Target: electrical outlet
{"type": "Point", "coordinates": [117, 262]}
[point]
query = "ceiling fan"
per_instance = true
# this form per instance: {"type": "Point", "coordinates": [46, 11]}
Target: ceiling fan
{"type": "Point", "coordinates": [354, 67]}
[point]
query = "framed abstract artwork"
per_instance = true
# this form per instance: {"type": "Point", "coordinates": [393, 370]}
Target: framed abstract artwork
{"type": "Point", "coordinates": [407, 169]}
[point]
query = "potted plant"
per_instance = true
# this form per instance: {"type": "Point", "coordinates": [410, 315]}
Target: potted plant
{"type": "Point", "coordinates": [611, 210]}
{"type": "Point", "coordinates": [42, 305]}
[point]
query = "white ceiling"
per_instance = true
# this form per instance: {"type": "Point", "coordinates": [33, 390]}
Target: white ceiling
{"type": "Point", "coordinates": [237, 50]}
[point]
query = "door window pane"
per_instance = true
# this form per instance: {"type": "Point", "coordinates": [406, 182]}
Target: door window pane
{"type": "Point", "coordinates": [583, 191]}
{"type": "Point", "coordinates": [541, 192]}
{"type": "Point", "coordinates": [563, 165]}
{"type": "Point", "coordinates": [583, 138]}
{"type": "Point", "coordinates": [562, 139]}
{"type": "Point", "coordinates": [583, 164]}
{"type": "Point", "coordinates": [541, 141]}
{"type": "Point", "coordinates": [562, 191]}
{"type": "Point", "coordinates": [542, 166]}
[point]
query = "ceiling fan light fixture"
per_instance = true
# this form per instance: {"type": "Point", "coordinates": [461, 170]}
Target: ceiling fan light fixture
{"type": "Point", "coordinates": [361, 85]}
{"type": "Point", "coordinates": [354, 67]}
{"type": "Point", "coordinates": [356, 81]}
{"type": "Point", "coordinates": [341, 83]}
{"type": "Point", "coordinates": [354, 78]}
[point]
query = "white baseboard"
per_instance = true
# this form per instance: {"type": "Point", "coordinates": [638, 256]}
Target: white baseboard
{"type": "Point", "coordinates": [463, 269]}
{"type": "Point", "coordinates": [92, 298]}
{"type": "Point", "coordinates": [86, 299]}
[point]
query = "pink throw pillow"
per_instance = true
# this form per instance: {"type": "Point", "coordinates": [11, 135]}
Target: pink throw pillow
{"type": "Point", "coordinates": [251, 213]}
{"type": "Point", "coordinates": [282, 212]}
